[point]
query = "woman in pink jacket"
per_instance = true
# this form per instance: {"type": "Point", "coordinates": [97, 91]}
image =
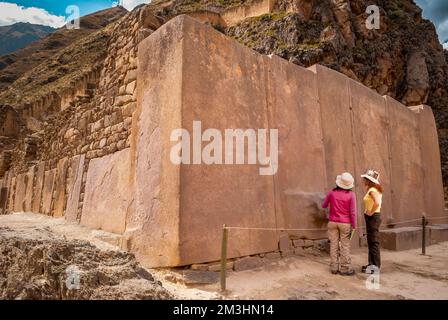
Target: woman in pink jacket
{"type": "Point", "coordinates": [342, 218]}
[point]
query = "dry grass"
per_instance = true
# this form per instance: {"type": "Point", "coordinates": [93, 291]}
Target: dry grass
{"type": "Point", "coordinates": [40, 63]}
{"type": "Point", "coordinates": [58, 71]}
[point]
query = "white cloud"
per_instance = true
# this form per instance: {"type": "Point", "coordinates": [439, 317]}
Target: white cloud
{"type": "Point", "coordinates": [437, 12]}
{"type": "Point", "coordinates": [442, 30]}
{"type": "Point", "coordinates": [11, 13]}
{"type": "Point", "coordinates": [131, 4]}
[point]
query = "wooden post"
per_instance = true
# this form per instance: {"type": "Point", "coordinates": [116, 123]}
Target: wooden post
{"type": "Point", "coordinates": [225, 233]}
{"type": "Point", "coordinates": [423, 235]}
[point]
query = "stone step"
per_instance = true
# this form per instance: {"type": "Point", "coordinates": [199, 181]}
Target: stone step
{"type": "Point", "coordinates": [406, 238]}
{"type": "Point", "coordinates": [438, 233]}
{"type": "Point", "coordinates": [191, 278]}
{"type": "Point", "coordinates": [400, 239]}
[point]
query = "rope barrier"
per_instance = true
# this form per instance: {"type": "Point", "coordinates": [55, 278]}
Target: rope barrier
{"type": "Point", "coordinates": [437, 218]}
{"type": "Point", "coordinates": [325, 229]}
{"type": "Point", "coordinates": [423, 219]}
{"type": "Point", "coordinates": [275, 229]}
{"type": "Point", "coordinates": [395, 223]}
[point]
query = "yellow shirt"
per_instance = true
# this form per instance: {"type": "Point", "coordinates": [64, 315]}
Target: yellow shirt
{"type": "Point", "coordinates": [369, 202]}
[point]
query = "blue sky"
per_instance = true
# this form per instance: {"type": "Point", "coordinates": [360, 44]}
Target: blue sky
{"type": "Point", "coordinates": [437, 12]}
{"type": "Point", "coordinates": [53, 12]}
{"type": "Point", "coordinates": [57, 7]}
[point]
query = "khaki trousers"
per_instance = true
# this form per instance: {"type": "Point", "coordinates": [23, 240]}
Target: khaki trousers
{"type": "Point", "coordinates": [339, 235]}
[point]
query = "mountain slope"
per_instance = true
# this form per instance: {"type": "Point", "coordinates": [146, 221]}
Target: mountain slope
{"type": "Point", "coordinates": [59, 70]}
{"type": "Point", "coordinates": [20, 35]}
{"type": "Point", "coordinates": [14, 65]}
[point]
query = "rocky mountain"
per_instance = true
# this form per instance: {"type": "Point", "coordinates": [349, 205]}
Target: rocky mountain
{"type": "Point", "coordinates": [19, 35]}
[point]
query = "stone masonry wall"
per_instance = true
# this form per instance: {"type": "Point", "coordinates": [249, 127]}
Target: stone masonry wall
{"type": "Point", "coordinates": [103, 159]}
{"type": "Point", "coordinates": [327, 124]}
{"type": "Point", "coordinates": [255, 8]}
{"type": "Point", "coordinates": [91, 120]}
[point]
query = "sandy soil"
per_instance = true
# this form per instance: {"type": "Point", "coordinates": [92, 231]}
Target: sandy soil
{"type": "Point", "coordinates": [404, 275]}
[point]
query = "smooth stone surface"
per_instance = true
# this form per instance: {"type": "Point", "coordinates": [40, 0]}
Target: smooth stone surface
{"type": "Point", "coordinates": [106, 199]}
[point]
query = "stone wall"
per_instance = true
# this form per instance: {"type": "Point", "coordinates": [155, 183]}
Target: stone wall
{"type": "Point", "coordinates": [208, 17]}
{"type": "Point", "coordinates": [104, 160]}
{"type": "Point", "coordinates": [327, 124]}
{"type": "Point", "coordinates": [92, 120]}
{"type": "Point", "coordinates": [8, 122]}
{"type": "Point", "coordinates": [253, 9]}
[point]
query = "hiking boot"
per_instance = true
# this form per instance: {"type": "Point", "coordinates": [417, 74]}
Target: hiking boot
{"type": "Point", "coordinates": [347, 273]}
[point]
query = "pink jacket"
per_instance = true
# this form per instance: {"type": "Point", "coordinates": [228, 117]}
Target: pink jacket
{"type": "Point", "coordinates": [342, 206]}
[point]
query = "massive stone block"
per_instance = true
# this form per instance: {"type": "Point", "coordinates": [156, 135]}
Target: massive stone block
{"type": "Point", "coordinates": [370, 142]}
{"type": "Point", "coordinates": [6, 182]}
{"type": "Point", "coordinates": [3, 199]}
{"type": "Point", "coordinates": [37, 195]}
{"type": "Point", "coordinates": [106, 199]}
{"type": "Point", "coordinates": [47, 191]}
{"type": "Point", "coordinates": [74, 187]}
{"type": "Point", "coordinates": [337, 128]}
{"type": "Point", "coordinates": [59, 188]}
{"type": "Point", "coordinates": [327, 124]}
{"type": "Point", "coordinates": [187, 203]}
{"type": "Point", "coordinates": [430, 157]}
{"type": "Point", "coordinates": [20, 190]}
{"type": "Point", "coordinates": [12, 189]}
{"type": "Point", "coordinates": [293, 108]}
{"type": "Point", "coordinates": [406, 162]}
{"type": "Point", "coordinates": [211, 195]}
{"type": "Point", "coordinates": [336, 117]}
{"type": "Point", "coordinates": [156, 180]}
{"type": "Point", "coordinates": [29, 190]}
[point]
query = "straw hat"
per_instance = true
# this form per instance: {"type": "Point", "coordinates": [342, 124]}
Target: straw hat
{"type": "Point", "coordinates": [345, 181]}
{"type": "Point", "coordinates": [372, 175]}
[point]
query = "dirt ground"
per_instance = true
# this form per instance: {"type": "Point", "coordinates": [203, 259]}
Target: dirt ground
{"type": "Point", "coordinates": [404, 275]}
{"type": "Point", "coordinates": [38, 263]}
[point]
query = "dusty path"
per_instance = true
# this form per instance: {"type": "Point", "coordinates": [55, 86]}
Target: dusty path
{"type": "Point", "coordinates": [405, 275]}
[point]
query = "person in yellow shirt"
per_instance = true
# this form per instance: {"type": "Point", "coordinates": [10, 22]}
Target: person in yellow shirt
{"type": "Point", "coordinates": [372, 214]}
